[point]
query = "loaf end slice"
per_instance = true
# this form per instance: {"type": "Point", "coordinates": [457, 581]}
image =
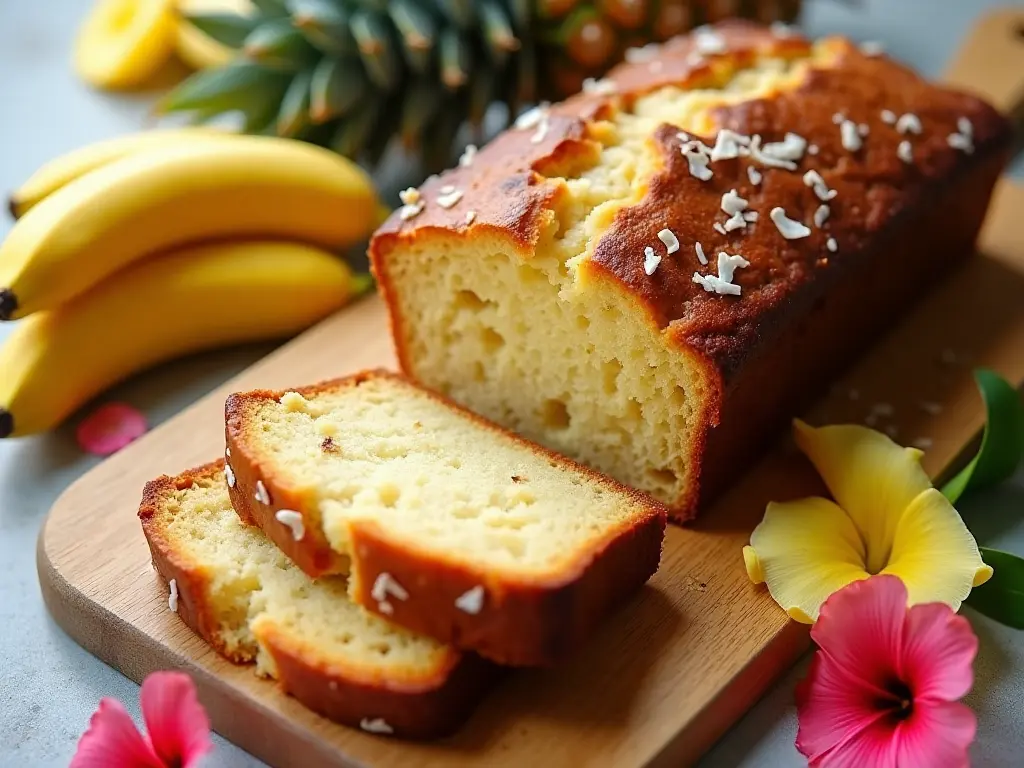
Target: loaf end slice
{"type": "Point", "coordinates": [448, 524]}
{"type": "Point", "coordinates": [236, 590]}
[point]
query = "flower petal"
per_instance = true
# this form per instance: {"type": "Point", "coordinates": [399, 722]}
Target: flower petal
{"type": "Point", "coordinates": [936, 735]}
{"type": "Point", "coordinates": [806, 549]}
{"type": "Point", "coordinates": [113, 741]}
{"type": "Point", "coordinates": [934, 553]}
{"type": "Point", "coordinates": [875, 746]}
{"type": "Point", "coordinates": [861, 629]}
{"type": "Point", "coordinates": [177, 723]}
{"type": "Point", "coordinates": [832, 709]}
{"type": "Point", "coordinates": [110, 428]}
{"type": "Point", "coordinates": [870, 477]}
{"type": "Point", "coordinates": [938, 653]}
{"type": "Point", "coordinates": [753, 565]}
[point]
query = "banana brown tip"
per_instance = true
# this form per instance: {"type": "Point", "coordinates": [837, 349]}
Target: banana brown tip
{"type": "Point", "coordinates": [6, 423]}
{"type": "Point", "coordinates": [8, 303]}
{"type": "Point", "coordinates": [12, 206]}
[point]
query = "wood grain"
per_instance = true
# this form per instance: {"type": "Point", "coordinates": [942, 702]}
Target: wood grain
{"type": "Point", "coordinates": [665, 678]}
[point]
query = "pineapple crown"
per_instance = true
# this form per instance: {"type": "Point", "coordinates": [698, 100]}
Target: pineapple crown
{"type": "Point", "coordinates": [353, 75]}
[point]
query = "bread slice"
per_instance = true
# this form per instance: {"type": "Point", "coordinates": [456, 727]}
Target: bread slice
{"type": "Point", "coordinates": [449, 525]}
{"type": "Point", "coordinates": [237, 591]}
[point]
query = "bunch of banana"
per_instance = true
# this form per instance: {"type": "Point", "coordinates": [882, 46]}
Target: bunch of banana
{"type": "Point", "coordinates": [137, 250]}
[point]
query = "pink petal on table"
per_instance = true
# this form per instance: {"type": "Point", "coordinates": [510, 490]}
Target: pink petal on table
{"type": "Point", "coordinates": [110, 428]}
{"type": "Point", "coordinates": [113, 741]}
{"type": "Point", "coordinates": [179, 729]}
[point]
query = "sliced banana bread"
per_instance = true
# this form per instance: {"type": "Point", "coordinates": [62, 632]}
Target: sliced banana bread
{"type": "Point", "coordinates": [449, 525]}
{"type": "Point", "coordinates": [237, 591]}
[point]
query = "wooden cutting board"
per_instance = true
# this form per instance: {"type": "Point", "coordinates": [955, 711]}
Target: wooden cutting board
{"type": "Point", "coordinates": [670, 673]}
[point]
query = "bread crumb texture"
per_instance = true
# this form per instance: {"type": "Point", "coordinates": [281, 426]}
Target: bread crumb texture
{"type": "Point", "coordinates": [436, 480]}
{"type": "Point", "coordinates": [256, 598]}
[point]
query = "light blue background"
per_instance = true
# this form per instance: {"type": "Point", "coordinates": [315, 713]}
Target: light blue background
{"type": "Point", "coordinates": [49, 686]}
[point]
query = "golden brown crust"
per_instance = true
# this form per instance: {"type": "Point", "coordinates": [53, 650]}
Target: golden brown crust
{"type": "Point", "coordinates": [787, 281]}
{"type": "Point", "coordinates": [428, 707]}
{"type": "Point", "coordinates": [525, 622]}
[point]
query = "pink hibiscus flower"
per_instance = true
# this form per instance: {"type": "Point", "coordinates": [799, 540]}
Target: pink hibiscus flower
{"type": "Point", "coordinates": [179, 731]}
{"type": "Point", "coordinates": [883, 689]}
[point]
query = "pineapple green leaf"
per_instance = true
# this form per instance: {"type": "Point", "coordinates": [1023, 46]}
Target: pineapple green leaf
{"type": "Point", "coordinates": [280, 45]}
{"type": "Point", "coordinates": [459, 12]}
{"type": "Point", "coordinates": [497, 28]}
{"type": "Point", "coordinates": [228, 29]}
{"type": "Point", "coordinates": [418, 30]}
{"type": "Point", "coordinates": [456, 59]}
{"type": "Point", "coordinates": [294, 114]}
{"type": "Point", "coordinates": [355, 130]}
{"type": "Point", "coordinates": [271, 8]}
{"type": "Point", "coordinates": [420, 104]}
{"type": "Point", "coordinates": [325, 23]}
{"type": "Point", "coordinates": [240, 85]}
{"type": "Point", "coordinates": [337, 86]}
{"type": "Point", "coordinates": [377, 49]}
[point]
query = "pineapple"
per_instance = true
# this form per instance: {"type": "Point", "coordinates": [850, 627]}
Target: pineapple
{"type": "Point", "coordinates": [355, 74]}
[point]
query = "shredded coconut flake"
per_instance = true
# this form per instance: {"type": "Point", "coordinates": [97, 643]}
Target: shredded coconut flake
{"type": "Point", "coordinates": [471, 602]}
{"type": "Point", "coordinates": [698, 155]}
{"type": "Point", "coordinates": [813, 149]}
{"type": "Point", "coordinates": [791, 148]}
{"type": "Point", "coordinates": [821, 215]}
{"type": "Point", "coordinates": [961, 142]}
{"type": "Point", "coordinates": [863, 129]}
{"type": "Point", "coordinates": [532, 117]}
{"type": "Point", "coordinates": [602, 87]}
{"type": "Point", "coordinates": [905, 152]}
{"type": "Point", "coordinates": [293, 520]}
{"type": "Point", "coordinates": [719, 227]}
{"type": "Point", "coordinates": [732, 203]}
{"type": "Point", "coordinates": [712, 284]}
{"type": "Point", "coordinates": [766, 156]}
{"type": "Point", "coordinates": [700, 253]}
{"type": "Point", "coordinates": [965, 127]}
{"type": "Point", "coordinates": [788, 228]}
{"type": "Point", "coordinates": [909, 123]}
{"type": "Point", "coordinates": [852, 141]}
{"type": "Point", "coordinates": [667, 236]}
{"type": "Point", "coordinates": [468, 156]}
{"type": "Point", "coordinates": [470, 217]}
{"type": "Point", "coordinates": [651, 260]}
{"type": "Point", "coordinates": [754, 175]}
{"type": "Point", "coordinates": [229, 475]}
{"type": "Point", "coordinates": [261, 493]}
{"type": "Point", "coordinates": [411, 211]}
{"type": "Point", "coordinates": [888, 117]}
{"type": "Point", "coordinates": [750, 216]}
{"type": "Point", "coordinates": [832, 245]}
{"type": "Point", "coordinates": [172, 601]}
{"type": "Point", "coordinates": [728, 264]}
{"type": "Point", "coordinates": [385, 586]}
{"type": "Point", "coordinates": [736, 221]}
{"type": "Point", "coordinates": [642, 55]}
{"type": "Point", "coordinates": [376, 725]}
{"type": "Point", "coordinates": [729, 145]}
{"type": "Point", "coordinates": [814, 180]}
{"type": "Point", "coordinates": [838, 118]}
{"type": "Point", "coordinates": [450, 198]}
{"type": "Point", "coordinates": [709, 42]}
{"type": "Point", "coordinates": [409, 196]}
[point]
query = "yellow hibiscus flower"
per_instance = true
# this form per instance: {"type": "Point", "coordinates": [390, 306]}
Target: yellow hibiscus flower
{"type": "Point", "coordinates": [886, 518]}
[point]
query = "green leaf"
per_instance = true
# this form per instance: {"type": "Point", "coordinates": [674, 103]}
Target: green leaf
{"type": "Point", "coordinates": [1003, 442]}
{"type": "Point", "coordinates": [418, 31]}
{"type": "Point", "coordinates": [338, 86]}
{"type": "Point", "coordinates": [272, 8]}
{"type": "Point", "coordinates": [294, 114]}
{"type": "Point", "coordinates": [1002, 597]}
{"type": "Point", "coordinates": [278, 44]}
{"type": "Point", "coordinates": [325, 23]}
{"type": "Point", "coordinates": [378, 49]}
{"type": "Point", "coordinates": [228, 29]}
{"type": "Point", "coordinates": [239, 85]}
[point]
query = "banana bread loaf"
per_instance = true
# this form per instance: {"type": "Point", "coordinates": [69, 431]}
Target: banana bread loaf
{"type": "Point", "coordinates": [652, 276]}
{"type": "Point", "coordinates": [448, 525]}
{"type": "Point", "coordinates": [240, 594]}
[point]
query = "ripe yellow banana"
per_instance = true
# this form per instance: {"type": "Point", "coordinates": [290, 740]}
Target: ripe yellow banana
{"type": "Point", "coordinates": [123, 43]}
{"type": "Point", "coordinates": [202, 297]}
{"type": "Point", "coordinates": [63, 170]}
{"type": "Point", "coordinates": [242, 186]}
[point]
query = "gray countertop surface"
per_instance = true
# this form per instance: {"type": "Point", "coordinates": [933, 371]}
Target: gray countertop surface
{"type": "Point", "coordinates": [52, 686]}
